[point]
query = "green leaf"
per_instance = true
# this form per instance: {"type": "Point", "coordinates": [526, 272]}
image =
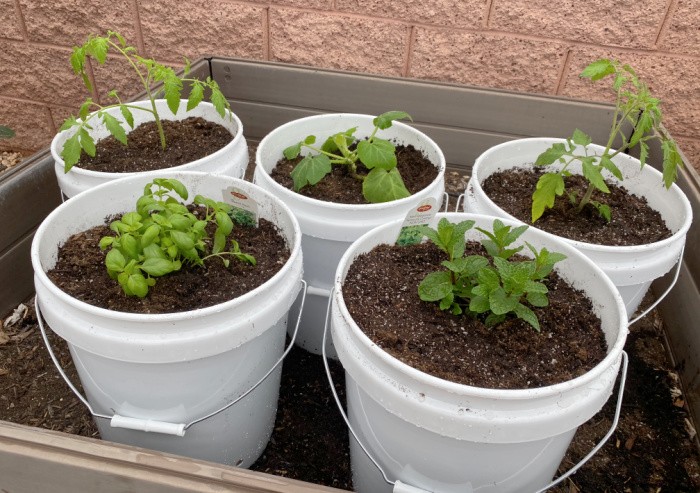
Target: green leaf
{"type": "Point", "coordinates": [524, 313]}
{"type": "Point", "coordinates": [114, 127]}
{"type": "Point", "coordinates": [6, 132]}
{"type": "Point", "coordinates": [378, 153]}
{"type": "Point", "coordinates": [115, 261]}
{"type": "Point", "coordinates": [138, 285]}
{"type": "Point", "coordinates": [435, 286]}
{"type": "Point", "coordinates": [157, 267]}
{"type": "Point", "coordinates": [178, 187]}
{"type": "Point", "coordinates": [603, 209]}
{"type": "Point", "coordinates": [172, 86]}
{"type": "Point", "coordinates": [86, 142]}
{"type": "Point", "coordinates": [608, 164]}
{"type": "Point", "coordinates": [501, 302]}
{"type": "Point", "coordinates": [130, 245]}
{"type": "Point", "coordinates": [548, 187]}
{"type": "Point", "coordinates": [71, 152]}
{"type": "Point", "coordinates": [384, 186]}
{"type": "Point", "coordinates": [219, 242]}
{"type": "Point", "coordinates": [598, 69]}
{"type": "Point", "coordinates": [180, 222]}
{"type": "Point", "coordinates": [537, 299]}
{"type": "Point", "coordinates": [479, 304]}
{"type": "Point", "coordinates": [310, 171]}
{"type": "Point", "coordinates": [128, 116]}
{"type": "Point", "coordinates": [489, 279]}
{"type": "Point", "coordinates": [183, 241]}
{"type": "Point", "coordinates": [292, 151]}
{"type": "Point", "coordinates": [550, 155]}
{"type": "Point", "coordinates": [580, 138]}
{"type": "Point", "coordinates": [592, 173]}
{"type": "Point", "coordinates": [196, 96]}
{"type": "Point", "coordinates": [643, 153]}
{"type": "Point", "coordinates": [224, 223]}
{"type": "Point", "coordinates": [106, 241]}
{"type": "Point", "coordinates": [385, 120]}
{"type": "Point", "coordinates": [218, 99]}
{"type": "Point", "coordinates": [97, 47]}
{"type": "Point", "coordinates": [672, 161]}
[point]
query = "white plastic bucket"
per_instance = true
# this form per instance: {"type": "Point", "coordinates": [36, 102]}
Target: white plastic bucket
{"type": "Point", "coordinates": [175, 367]}
{"type": "Point", "coordinates": [329, 228]}
{"type": "Point", "coordinates": [631, 268]}
{"type": "Point", "coordinates": [231, 160]}
{"type": "Point", "coordinates": [451, 438]}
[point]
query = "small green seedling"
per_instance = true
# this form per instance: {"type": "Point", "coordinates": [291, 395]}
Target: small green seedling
{"type": "Point", "coordinates": [383, 183]}
{"type": "Point", "coordinates": [162, 235]}
{"type": "Point", "coordinates": [634, 105]}
{"type": "Point", "coordinates": [6, 132]}
{"type": "Point", "coordinates": [150, 73]}
{"type": "Point", "coordinates": [489, 285]}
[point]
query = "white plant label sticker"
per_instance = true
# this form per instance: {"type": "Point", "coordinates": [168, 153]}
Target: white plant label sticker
{"type": "Point", "coordinates": [419, 216]}
{"type": "Point", "coordinates": [245, 209]}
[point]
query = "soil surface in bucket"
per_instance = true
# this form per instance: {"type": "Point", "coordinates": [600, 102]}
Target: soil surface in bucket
{"type": "Point", "coordinates": [187, 140]}
{"type": "Point", "coordinates": [632, 222]}
{"type": "Point", "coordinates": [80, 272]}
{"type": "Point", "coordinates": [381, 294]}
{"type": "Point", "coordinates": [416, 171]}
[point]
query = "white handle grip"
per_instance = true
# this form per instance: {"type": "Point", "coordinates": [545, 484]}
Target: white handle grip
{"type": "Point", "coordinates": [118, 421]}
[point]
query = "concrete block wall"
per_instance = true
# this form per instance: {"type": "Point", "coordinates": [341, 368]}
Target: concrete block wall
{"type": "Point", "coordinates": [534, 46]}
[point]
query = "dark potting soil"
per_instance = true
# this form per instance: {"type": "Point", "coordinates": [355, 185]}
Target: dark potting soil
{"type": "Point", "coordinates": [633, 221]}
{"type": "Point", "coordinates": [381, 293]}
{"type": "Point", "coordinates": [416, 171]}
{"type": "Point", "coordinates": [80, 272]}
{"type": "Point", "coordinates": [187, 140]}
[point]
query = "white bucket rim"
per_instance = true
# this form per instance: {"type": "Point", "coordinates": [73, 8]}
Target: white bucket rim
{"type": "Point", "coordinates": [675, 189]}
{"type": "Point", "coordinates": [182, 167]}
{"type": "Point", "coordinates": [613, 355]}
{"type": "Point", "coordinates": [441, 166]}
{"type": "Point", "coordinates": [295, 252]}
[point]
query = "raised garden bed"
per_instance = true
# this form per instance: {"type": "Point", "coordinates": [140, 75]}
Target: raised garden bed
{"type": "Point", "coordinates": [464, 121]}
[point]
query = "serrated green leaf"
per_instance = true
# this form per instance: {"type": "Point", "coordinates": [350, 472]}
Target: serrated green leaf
{"type": "Point", "coordinates": [537, 299]}
{"type": "Point", "coordinates": [384, 186]}
{"type": "Point", "coordinates": [643, 153]}
{"type": "Point", "coordinates": [489, 279]}
{"type": "Point", "coordinates": [385, 120]}
{"type": "Point", "coordinates": [549, 186]}
{"type": "Point", "coordinates": [501, 302]}
{"type": "Point", "coordinates": [447, 301]}
{"type": "Point", "coordinates": [71, 152]}
{"type": "Point", "coordinates": [84, 110]}
{"type": "Point", "coordinates": [435, 286]}
{"type": "Point", "coordinates": [68, 123]}
{"type": "Point", "coordinates": [598, 69]}
{"type": "Point", "coordinates": [672, 161]}
{"type": "Point", "coordinates": [87, 142]}
{"type": "Point", "coordinates": [172, 86]}
{"type": "Point", "coordinates": [128, 116]}
{"type": "Point", "coordinates": [77, 61]}
{"type": "Point", "coordinates": [114, 127]}
{"type": "Point", "coordinates": [97, 47]}
{"type": "Point", "coordinates": [592, 173]}
{"type": "Point", "coordinates": [196, 96]}
{"type": "Point", "coordinates": [378, 153]}
{"type": "Point", "coordinates": [479, 304]}
{"type": "Point", "coordinates": [310, 170]}
{"type": "Point", "coordinates": [603, 210]}
{"type": "Point", "coordinates": [608, 164]}
{"type": "Point", "coordinates": [580, 138]}
{"type": "Point", "coordinates": [551, 154]}
{"type": "Point", "coordinates": [524, 313]}
{"type": "Point", "coordinates": [218, 99]}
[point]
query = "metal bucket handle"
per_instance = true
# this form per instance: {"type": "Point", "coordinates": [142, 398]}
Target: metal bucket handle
{"type": "Point", "coordinates": [149, 425]}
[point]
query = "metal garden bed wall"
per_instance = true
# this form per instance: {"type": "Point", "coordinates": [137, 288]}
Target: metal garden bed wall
{"type": "Point", "coordinates": [464, 121]}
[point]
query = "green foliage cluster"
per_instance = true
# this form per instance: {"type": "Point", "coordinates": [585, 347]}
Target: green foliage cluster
{"type": "Point", "coordinates": [634, 105]}
{"type": "Point", "coordinates": [493, 285]}
{"type": "Point", "coordinates": [150, 73]}
{"type": "Point", "coordinates": [383, 183]}
{"type": "Point", "coordinates": [6, 132]}
{"type": "Point", "coordinates": [162, 234]}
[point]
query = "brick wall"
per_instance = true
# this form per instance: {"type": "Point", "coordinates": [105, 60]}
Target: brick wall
{"type": "Point", "coordinates": [536, 46]}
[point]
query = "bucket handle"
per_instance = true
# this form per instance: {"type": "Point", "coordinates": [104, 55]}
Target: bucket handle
{"type": "Point", "coordinates": [399, 487]}
{"type": "Point", "coordinates": [460, 197]}
{"type": "Point", "coordinates": [658, 300]}
{"type": "Point", "coordinates": [149, 425]}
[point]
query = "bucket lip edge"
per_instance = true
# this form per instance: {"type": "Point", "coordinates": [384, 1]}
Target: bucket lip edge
{"type": "Point", "coordinates": [441, 167]}
{"type": "Point", "coordinates": [474, 182]}
{"type": "Point", "coordinates": [295, 256]}
{"type": "Point", "coordinates": [387, 359]}
{"type": "Point", "coordinates": [235, 141]}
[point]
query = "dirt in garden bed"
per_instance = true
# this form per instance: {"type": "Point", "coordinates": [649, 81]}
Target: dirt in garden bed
{"type": "Point", "coordinates": [187, 140]}
{"type": "Point", "coordinates": [633, 221]}
{"type": "Point", "coordinates": [381, 293]}
{"type": "Point", "coordinates": [80, 271]}
{"type": "Point", "coordinates": [416, 171]}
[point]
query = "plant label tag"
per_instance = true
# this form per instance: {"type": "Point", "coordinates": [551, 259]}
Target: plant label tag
{"type": "Point", "coordinates": [419, 216]}
{"type": "Point", "coordinates": [245, 209]}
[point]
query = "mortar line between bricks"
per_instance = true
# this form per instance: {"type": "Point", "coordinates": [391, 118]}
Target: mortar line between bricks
{"type": "Point", "coordinates": [490, 5]}
{"type": "Point", "coordinates": [564, 72]}
{"type": "Point", "coordinates": [140, 43]}
{"type": "Point", "coordinates": [409, 51]}
{"type": "Point", "coordinates": [671, 8]}
{"type": "Point", "coordinates": [22, 22]}
{"type": "Point", "coordinates": [266, 33]}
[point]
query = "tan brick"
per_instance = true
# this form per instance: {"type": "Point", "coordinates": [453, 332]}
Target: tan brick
{"type": "Point", "coordinates": [683, 34]}
{"type": "Point", "coordinates": [609, 22]}
{"type": "Point", "coordinates": [59, 114]}
{"type": "Point", "coordinates": [469, 13]}
{"type": "Point", "coordinates": [675, 80]}
{"type": "Point", "coordinates": [337, 41]}
{"type": "Point", "coordinates": [189, 28]}
{"type": "Point", "coordinates": [487, 60]}
{"type": "Point", "coordinates": [44, 75]}
{"type": "Point", "coordinates": [691, 150]}
{"type": "Point", "coordinates": [309, 4]}
{"type": "Point", "coordinates": [69, 22]}
{"type": "Point", "coordinates": [10, 26]}
{"type": "Point", "coordinates": [31, 123]}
